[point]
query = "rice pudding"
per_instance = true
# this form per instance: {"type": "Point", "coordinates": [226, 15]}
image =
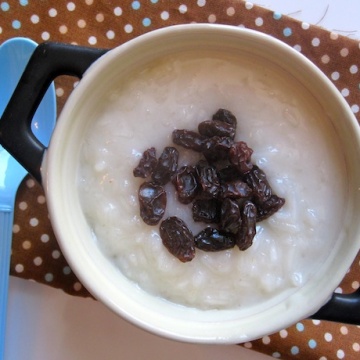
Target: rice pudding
{"type": "Point", "coordinates": [293, 143]}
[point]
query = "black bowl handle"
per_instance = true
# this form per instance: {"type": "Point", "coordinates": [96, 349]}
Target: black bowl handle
{"type": "Point", "coordinates": [48, 61]}
{"type": "Point", "coordinates": [54, 59]}
{"type": "Point", "coordinates": [344, 308]}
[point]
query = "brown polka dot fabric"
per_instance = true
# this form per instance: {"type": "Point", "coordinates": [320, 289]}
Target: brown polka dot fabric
{"type": "Point", "coordinates": [109, 23]}
{"type": "Point", "coordinates": [35, 252]}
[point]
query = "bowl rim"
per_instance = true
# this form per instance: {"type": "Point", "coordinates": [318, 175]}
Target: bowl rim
{"type": "Point", "coordinates": [55, 172]}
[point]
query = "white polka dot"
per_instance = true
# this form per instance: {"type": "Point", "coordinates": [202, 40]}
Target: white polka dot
{"type": "Point", "coordinates": [89, 2]}
{"type": "Point", "coordinates": [356, 347]}
{"type": "Point", "coordinates": [182, 9]}
{"type": "Point", "coordinates": [328, 337]}
{"type": "Point", "coordinates": [34, 19]}
{"type": "Point", "coordinates": [19, 268]}
{"type": "Point", "coordinates": [283, 334]}
{"type": "Point", "coordinates": [344, 52]}
{"type": "Point", "coordinates": [339, 290]}
{"type": "Point", "coordinates": [164, 15]}
{"type": "Point", "coordinates": [249, 5]}
{"type": "Point", "coordinates": [16, 228]}
{"type": "Point", "coordinates": [66, 270]}
{"type": "Point", "coordinates": [297, 48]}
{"type": "Point", "coordinates": [259, 21]}
{"type": "Point", "coordinates": [100, 17]}
{"type": "Point", "coordinates": [30, 183]}
{"type": "Point", "coordinates": [353, 69]}
{"type": "Point", "coordinates": [325, 59]}
{"type": "Point", "coordinates": [45, 36]}
{"type": "Point", "coordinates": [345, 92]}
{"type": "Point", "coordinates": [212, 18]}
{"type": "Point", "coordinates": [305, 26]}
{"type": "Point", "coordinates": [316, 322]}
{"type": "Point", "coordinates": [59, 92]}
{"type": "Point", "coordinates": [230, 11]}
{"type": "Point", "coordinates": [81, 23]}
{"type": "Point", "coordinates": [56, 254]}
{"type": "Point", "coordinates": [201, 3]}
{"type": "Point", "coordinates": [34, 222]}
{"type": "Point", "coordinates": [128, 28]}
{"type": "Point", "coordinates": [335, 75]}
{"type": "Point", "coordinates": [118, 11]}
{"type": "Point", "coordinates": [23, 205]}
{"type": "Point", "coordinates": [355, 285]}
{"type": "Point", "coordinates": [92, 40]}
{"type": "Point", "coordinates": [344, 330]}
{"type": "Point", "coordinates": [334, 36]}
{"type": "Point", "coordinates": [52, 12]}
{"type": "Point", "coordinates": [44, 238]}
{"type": "Point", "coordinates": [41, 198]}
{"type": "Point", "coordinates": [323, 358]}
{"type": "Point", "coordinates": [110, 34]}
{"type": "Point", "coordinates": [49, 277]}
{"type": "Point", "coordinates": [38, 261]}
{"type": "Point", "coordinates": [266, 340]}
{"type": "Point", "coordinates": [26, 245]}
{"type": "Point", "coordinates": [355, 108]}
{"type": "Point", "coordinates": [340, 354]}
{"type": "Point", "coordinates": [63, 29]}
{"type": "Point", "coordinates": [70, 6]}
{"type": "Point", "coordinates": [77, 286]}
{"type": "Point", "coordinates": [248, 345]}
{"type": "Point", "coordinates": [315, 42]}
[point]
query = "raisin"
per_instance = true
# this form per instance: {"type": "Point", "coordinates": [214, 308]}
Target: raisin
{"type": "Point", "coordinates": [208, 180]}
{"type": "Point", "coordinates": [230, 216]}
{"type": "Point", "coordinates": [229, 173]}
{"type": "Point", "coordinates": [240, 156]}
{"type": "Point", "coordinates": [177, 238]}
{"type": "Point", "coordinates": [206, 210]}
{"type": "Point", "coordinates": [166, 166]}
{"type": "Point", "coordinates": [235, 189]}
{"type": "Point", "coordinates": [211, 128]}
{"type": "Point", "coordinates": [245, 236]}
{"type": "Point", "coordinates": [146, 164]}
{"type": "Point", "coordinates": [188, 139]}
{"type": "Point", "coordinates": [186, 185]}
{"type": "Point", "coordinates": [269, 207]}
{"type": "Point", "coordinates": [257, 180]}
{"type": "Point", "coordinates": [211, 239]}
{"type": "Point", "coordinates": [225, 116]}
{"type": "Point", "coordinates": [152, 199]}
{"type": "Point", "coordinates": [217, 148]}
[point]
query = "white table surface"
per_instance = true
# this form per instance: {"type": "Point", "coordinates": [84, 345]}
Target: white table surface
{"type": "Point", "coordinates": [47, 324]}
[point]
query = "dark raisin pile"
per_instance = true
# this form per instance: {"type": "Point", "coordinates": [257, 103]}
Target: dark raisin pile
{"type": "Point", "coordinates": [227, 191]}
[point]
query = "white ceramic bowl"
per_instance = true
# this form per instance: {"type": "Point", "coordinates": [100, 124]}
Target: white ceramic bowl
{"type": "Point", "coordinates": [103, 279]}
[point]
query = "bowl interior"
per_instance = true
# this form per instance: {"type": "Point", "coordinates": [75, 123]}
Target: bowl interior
{"type": "Point", "coordinates": [77, 239]}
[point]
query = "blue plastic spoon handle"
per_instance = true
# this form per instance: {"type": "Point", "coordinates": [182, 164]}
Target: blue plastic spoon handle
{"type": "Point", "coordinates": [6, 221]}
{"type": "Point", "coordinates": [53, 59]}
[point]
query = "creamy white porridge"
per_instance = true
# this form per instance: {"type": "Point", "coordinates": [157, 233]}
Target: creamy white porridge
{"type": "Point", "coordinates": [292, 141]}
